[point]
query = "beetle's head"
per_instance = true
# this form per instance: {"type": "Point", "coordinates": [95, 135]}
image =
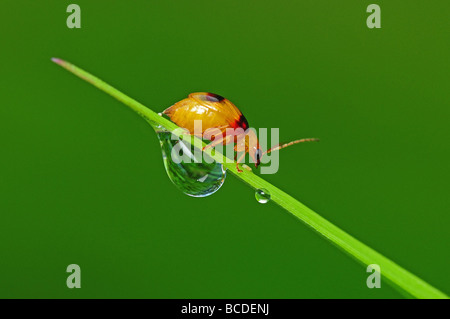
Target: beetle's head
{"type": "Point", "coordinates": [252, 147]}
{"type": "Point", "coordinates": [257, 154]}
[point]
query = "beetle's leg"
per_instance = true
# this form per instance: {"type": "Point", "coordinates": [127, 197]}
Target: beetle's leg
{"type": "Point", "coordinates": [218, 141]}
{"type": "Point", "coordinates": [239, 160]}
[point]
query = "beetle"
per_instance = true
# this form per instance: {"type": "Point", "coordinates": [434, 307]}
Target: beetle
{"type": "Point", "coordinates": [218, 112]}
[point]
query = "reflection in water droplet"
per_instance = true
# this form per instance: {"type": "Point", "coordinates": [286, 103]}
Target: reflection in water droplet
{"type": "Point", "coordinates": [197, 178]}
{"type": "Point", "coordinates": [262, 195]}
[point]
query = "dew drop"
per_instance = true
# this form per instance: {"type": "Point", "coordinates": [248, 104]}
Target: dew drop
{"type": "Point", "coordinates": [196, 178]}
{"type": "Point", "coordinates": [262, 195]}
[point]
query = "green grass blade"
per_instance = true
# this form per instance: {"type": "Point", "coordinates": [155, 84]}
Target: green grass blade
{"type": "Point", "coordinates": [397, 276]}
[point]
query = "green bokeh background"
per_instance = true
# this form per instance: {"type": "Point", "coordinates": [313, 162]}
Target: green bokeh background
{"type": "Point", "coordinates": [82, 179]}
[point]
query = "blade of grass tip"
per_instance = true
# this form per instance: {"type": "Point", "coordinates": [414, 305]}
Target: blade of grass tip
{"type": "Point", "coordinates": [397, 276]}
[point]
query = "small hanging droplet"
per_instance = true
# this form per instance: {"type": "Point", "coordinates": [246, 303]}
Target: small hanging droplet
{"type": "Point", "coordinates": [188, 169]}
{"type": "Point", "coordinates": [262, 195]}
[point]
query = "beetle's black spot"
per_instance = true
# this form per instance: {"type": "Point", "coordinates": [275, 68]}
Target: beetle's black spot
{"type": "Point", "coordinates": [242, 122]}
{"type": "Point", "coordinates": [211, 97]}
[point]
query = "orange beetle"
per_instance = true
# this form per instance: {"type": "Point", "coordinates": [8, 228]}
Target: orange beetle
{"type": "Point", "coordinates": [218, 112]}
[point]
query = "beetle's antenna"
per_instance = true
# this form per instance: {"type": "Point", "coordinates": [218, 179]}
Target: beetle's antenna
{"type": "Point", "coordinates": [279, 147]}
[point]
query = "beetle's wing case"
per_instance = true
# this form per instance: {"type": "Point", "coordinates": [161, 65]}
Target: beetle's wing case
{"type": "Point", "coordinates": [212, 109]}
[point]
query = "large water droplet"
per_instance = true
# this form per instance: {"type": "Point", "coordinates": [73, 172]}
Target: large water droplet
{"type": "Point", "coordinates": [197, 178]}
{"type": "Point", "coordinates": [262, 195]}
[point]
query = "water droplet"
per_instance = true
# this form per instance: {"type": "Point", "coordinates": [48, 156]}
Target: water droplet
{"type": "Point", "coordinates": [262, 195]}
{"type": "Point", "coordinates": [196, 178]}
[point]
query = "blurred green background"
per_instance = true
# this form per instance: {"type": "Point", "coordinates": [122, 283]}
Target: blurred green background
{"type": "Point", "coordinates": [82, 179]}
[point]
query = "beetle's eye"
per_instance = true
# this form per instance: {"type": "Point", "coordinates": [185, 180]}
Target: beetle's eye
{"type": "Point", "coordinates": [258, 155]}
